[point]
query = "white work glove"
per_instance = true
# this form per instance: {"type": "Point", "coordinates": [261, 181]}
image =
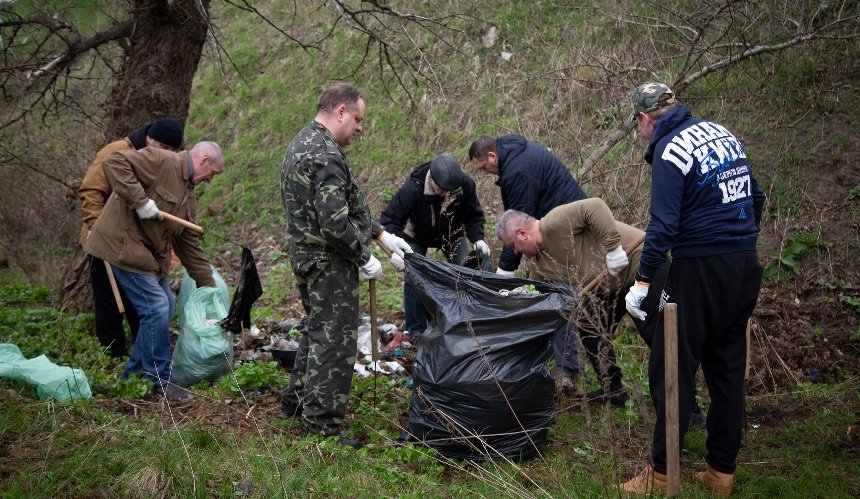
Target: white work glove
{"type": "Point", "coordinates": [506, 273]}
{"type": "Point", "coordinates": [482, 247]}
{"type": "Point", "coordinates": [398, 262]}
{"type": "Point", "coordinates": [148, 210]}
{"type": "Point", "coordinates": [616, 260]}
{"type": "Point", "coordinates": [396, 245]}
{"type": "Point", "coordinates": [372, 269]}
{"type": "Point", "coordinates": [634, 299]}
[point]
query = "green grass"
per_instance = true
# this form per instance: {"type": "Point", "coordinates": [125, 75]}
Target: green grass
{"type": "Point", "coordinates": [554, 91]}
{"type": "Point", "coordinates": [798, 443]}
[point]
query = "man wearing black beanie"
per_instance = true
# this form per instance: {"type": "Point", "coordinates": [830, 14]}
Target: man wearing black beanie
{"type": "Point", "coordinates": [164, 133]}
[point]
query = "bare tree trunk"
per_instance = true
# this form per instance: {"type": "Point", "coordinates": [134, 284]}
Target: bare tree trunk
{"type": "Point", "coordinates": [76, 295]}
{"type": "Point", "coordinates": [160, 61]}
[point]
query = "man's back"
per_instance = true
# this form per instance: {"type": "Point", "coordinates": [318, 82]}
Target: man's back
{"type": "Point", "coordinates": [532, 180]}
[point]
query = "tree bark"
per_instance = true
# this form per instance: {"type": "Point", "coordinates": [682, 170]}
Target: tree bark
{"type": "Point", "coordinates": [161, 58]}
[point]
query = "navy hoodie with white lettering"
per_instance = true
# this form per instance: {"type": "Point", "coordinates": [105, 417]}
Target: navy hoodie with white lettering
{"type": "Point", "coordinates": [705, 200]}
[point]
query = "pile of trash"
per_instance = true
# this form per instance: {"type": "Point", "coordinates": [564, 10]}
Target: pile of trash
{"type": "Point", "coordinates": [266, 342]}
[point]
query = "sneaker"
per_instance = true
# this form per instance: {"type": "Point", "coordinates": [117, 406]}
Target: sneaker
{"type": "Point", "coordinates": [173, 393]}
{"type": "Point", "coordinates": [617, 398]}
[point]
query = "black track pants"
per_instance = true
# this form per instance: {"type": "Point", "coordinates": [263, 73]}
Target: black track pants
{"type": "Point", "coordinates": [716, 296]}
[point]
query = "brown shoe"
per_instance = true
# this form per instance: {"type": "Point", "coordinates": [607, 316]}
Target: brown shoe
{"type": "Point", "coordinates": [646, 482]}
{"type": "Point", "coordinates": [718, 482]}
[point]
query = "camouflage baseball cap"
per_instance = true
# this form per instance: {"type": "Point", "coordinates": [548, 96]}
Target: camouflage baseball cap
{"type": "Point", "coordinates": [649, 97]}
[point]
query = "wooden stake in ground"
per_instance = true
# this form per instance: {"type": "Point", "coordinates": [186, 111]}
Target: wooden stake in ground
{"type": "Point", "coordinates": [747, 367]}
{"type": "Point", "coordinates": [374, 348]}
{"type": "Point", "coordinates": [673, 446]}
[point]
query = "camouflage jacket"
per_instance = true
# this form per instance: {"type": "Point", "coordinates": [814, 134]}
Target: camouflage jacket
{"type": "Point", "coordinates": [327, 215]}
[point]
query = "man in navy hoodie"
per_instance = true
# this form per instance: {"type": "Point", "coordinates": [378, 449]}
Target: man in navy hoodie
{"type": "Point", "coordinates": [706, 207]}
{"type": "Point", "coordinates": [532, 180]}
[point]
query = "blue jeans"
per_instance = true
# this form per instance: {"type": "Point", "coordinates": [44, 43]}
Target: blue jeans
{"type": "Point", "coordinates": [154, 301]}
{"type": "Point", "coordinates": [415, 318]}
{"type": "Point", "coordinates": [565, 348]}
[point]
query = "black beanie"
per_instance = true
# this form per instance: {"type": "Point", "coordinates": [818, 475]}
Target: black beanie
{"type": "Point", "coordinates": [167, 131]}
{"type": "Point", "coordinates": [445, 171]}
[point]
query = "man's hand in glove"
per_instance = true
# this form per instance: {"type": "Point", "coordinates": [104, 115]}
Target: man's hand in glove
{"type": "Point", "coordinates": [506, 273]}
{"type": "Point", "coordinates": [616, 260]}
{"type": "Point", "coordinates": [482, 247]}
{"type": "Point", "coordinates": [398, 262]}
{"type": "Point", "coordinates": [395, 245]}
{"type": "Point", "coordinates": [634, 299]}
{"type": "Point", "coordinates": [372, 269]}
{"type": "Point", "coordinates": [148, 210]}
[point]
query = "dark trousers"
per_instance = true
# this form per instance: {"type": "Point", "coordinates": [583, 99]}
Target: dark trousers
{"type": "Point", "coordinates": [716, 296]}
{"type": "Point", "coordinates": [597, 318]}
{"type": "Point", "coordinates": [109, 328]}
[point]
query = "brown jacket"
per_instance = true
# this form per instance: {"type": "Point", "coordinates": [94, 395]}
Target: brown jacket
{"type": "Point", "coordinates": [95, 189]}
{"type": "Point", "coordinates": [120, 238]}
{"type": "Point", "coordinates": [576, 237]}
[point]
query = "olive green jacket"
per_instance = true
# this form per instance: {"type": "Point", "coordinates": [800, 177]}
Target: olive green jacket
{"type": "Point", "coordinates": [576, 237]}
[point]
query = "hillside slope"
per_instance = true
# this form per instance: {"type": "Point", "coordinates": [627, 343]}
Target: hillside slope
{"type": "Point", "coordinates": [794, 111]}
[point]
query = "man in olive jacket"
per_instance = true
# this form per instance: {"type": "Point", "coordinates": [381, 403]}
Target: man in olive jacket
{"type": "Point", "coordinates": [571, 245]}
{"type": "Point", "coordinates": [132, 236]}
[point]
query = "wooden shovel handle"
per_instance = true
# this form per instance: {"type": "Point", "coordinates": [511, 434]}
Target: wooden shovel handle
{"type": "Point", "coordinates": [594, 282]}
{"type": "Point", "coordinates": [185, 223]}
{"type": "Point", "coordinates": [374, 348]}
{"type": "Point", "coordinates": [382, 247]}
{"type": "Point", "coordinates": [114, 288]}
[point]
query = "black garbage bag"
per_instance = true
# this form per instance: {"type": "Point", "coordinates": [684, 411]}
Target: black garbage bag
{"type": "Point", "coordinates": [476, 260]}
{"type": "Point", "coordinates": [481, 385]}
{"type": "Point", "coordinates": [247, 291]}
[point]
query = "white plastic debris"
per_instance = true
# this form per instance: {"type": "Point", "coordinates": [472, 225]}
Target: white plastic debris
{"type": "Point", "coordinates": [386, 367]}
{"type": "Point", "coordinates": [360, 370]}
{"type": "Point", "coordinates": [364, 344]}
{"type": "Point", "coordinates": [490, 36]}
{"type": "Point", "coordinates": [526, 290]}
{"type": "Point", "coordinates": [255, 331]}
{"type": "Point", "coordinates": [506, 56]}
{"type": "Point", "coordinates": [383, 367]}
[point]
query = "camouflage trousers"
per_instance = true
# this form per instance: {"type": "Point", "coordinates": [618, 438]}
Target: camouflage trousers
{"type": "Point", "coordinates": [322, 373]}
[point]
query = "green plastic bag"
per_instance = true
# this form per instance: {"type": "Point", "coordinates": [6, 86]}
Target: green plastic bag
{"type": "Point", "coordinates": [52, 381]}
{"type": "Point", "coordinates": [204, 350]}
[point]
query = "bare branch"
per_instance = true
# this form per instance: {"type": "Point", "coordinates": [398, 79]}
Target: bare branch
{"type": "Point", "coordinates": [721, 39]}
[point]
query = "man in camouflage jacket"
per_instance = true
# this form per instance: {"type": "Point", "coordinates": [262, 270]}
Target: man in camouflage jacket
{"type": "Point", "coordinates": [329, 231]}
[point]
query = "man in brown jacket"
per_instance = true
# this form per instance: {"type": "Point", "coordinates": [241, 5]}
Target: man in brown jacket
{"type": "Point", "coordinates": [164, 133]}
{"type": "Point", "coordinates": [132, 236]}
